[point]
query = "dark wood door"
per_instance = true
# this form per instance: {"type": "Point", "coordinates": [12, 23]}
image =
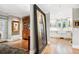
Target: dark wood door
{"type": "Point", "coordinates": [26, 33]}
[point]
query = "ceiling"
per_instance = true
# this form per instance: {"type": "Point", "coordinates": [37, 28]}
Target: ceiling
{"type": "Point", "coordinates": [58, 10]}
{"type": "Point", "coordinates": [56, 7]}
{"type": "Point", "coordinates": [19, 10]}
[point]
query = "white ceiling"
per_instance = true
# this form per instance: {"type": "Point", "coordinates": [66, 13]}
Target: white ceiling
{"type": "Point", "coordinates": [19, 10]}
{"type": "Point", "coordinates": [56, 7]}
{"type": "Point", "coordinates": [58, 10]}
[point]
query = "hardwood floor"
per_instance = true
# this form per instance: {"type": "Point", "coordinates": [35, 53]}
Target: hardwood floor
{"type": "Point", "coordinates": [60, 46]}
{"type": "Point", "coordinates": [25, 44]}
{"type": "Point", "coordinates": [21, 44]}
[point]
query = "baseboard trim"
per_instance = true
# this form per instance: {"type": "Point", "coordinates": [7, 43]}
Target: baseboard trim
{"type": "Point", "coordinates": [32, 51]}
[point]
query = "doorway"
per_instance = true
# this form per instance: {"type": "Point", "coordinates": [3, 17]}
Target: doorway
{"type": "Point", "coordinates": [26, 33]}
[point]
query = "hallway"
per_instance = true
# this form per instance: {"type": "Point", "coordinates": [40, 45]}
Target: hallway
{"type": "Point", "coordinates": [60, 46]}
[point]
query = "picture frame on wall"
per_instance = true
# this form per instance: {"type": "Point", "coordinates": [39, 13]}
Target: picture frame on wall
{"type": "Point", "coordinates": [40, 29]}
{"type": "Point", "coordinates": [76, 23]}
{"type": "Point", "coordinates": [15, 27]}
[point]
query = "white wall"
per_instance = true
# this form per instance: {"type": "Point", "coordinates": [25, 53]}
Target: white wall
{"type": "Point", "coordinates": [63, 12]}
{"type": "Point", "coordinates": [32, 34]}
{"type": "Point", "coordinates": [10, 36]}
{"type": "Point", "coordinates": [8, 31]}
{"type": "Point", "coordinates": [48, 25]}
{"type": "Point", "coordinates": [75, 31]}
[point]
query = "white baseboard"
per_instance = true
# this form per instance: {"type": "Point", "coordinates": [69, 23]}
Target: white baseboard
{"type": "Point", "coordinates": [32, 51]}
